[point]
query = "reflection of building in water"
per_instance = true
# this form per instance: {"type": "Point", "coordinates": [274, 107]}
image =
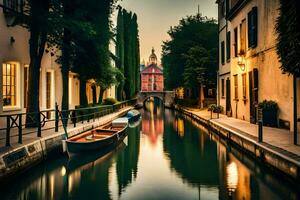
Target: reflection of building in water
{"type": "Point", "coordinates": [152, 121]}
{"type": "Point", "coordinates": [179, 126]}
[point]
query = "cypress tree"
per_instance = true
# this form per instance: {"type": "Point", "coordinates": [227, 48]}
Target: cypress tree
{"type": "Point", "coordinates": [120, 51]}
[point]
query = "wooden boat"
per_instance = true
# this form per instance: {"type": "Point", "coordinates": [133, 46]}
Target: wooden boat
{"type": "Point", "coordinates": [133, 115]}
{"type": "Point", "coordinates": [97, 139]}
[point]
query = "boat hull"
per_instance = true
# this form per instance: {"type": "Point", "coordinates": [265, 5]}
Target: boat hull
{"type": "Point", "coordinates": [99, 145]}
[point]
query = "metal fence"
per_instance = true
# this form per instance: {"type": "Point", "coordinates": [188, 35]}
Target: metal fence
{"type": "Point", "coordinates": [52, 119]}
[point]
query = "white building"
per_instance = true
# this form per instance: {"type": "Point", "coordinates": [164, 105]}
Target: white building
{"type": "Point", "coordinates": [14, 61]}
{"type": "Point", "coordinates": [249, 69]}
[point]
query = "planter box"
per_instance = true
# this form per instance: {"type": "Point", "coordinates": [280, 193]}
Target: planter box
{"type": "Point", "coordinates": [270, 118]}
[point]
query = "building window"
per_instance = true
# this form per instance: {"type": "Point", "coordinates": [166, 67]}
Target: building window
{"type": "Point", "coordinates": [236, 92]}
{"type": "Point", "coordinates": [244, 86]}
{"type": "Point", "coordinates": [26, 75]}
{"type": "Point", "coordinates": [228, 43]}
{"type": "Point", "coordinates": [223, 53]}
{"type": "Point", "coordinates": [235, 42]}
{"type": "Point", "coordinates": [223, 87]}
{"type": "Point", "coordinates": [252, 28]}
{"type": "Point", "coordinates": [243, 37]}
{"type": "Point", "coordinates": [9, 84]}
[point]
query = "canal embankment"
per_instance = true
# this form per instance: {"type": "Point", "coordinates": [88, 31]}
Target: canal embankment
{"type": "Point", "coordinates": [276, 151]}
{"type": "Point", "coordinates": [18, 159]}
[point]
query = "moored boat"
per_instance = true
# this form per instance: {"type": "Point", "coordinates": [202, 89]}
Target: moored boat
{"type": "Point", "coordinates": [97, 139]}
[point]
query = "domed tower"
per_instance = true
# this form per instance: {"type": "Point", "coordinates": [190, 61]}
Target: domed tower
{"type": "Point", "coordinates": [153, 58]}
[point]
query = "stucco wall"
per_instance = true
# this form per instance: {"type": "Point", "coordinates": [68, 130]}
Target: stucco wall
{"type": "Point", "coordinates": [273, 84]}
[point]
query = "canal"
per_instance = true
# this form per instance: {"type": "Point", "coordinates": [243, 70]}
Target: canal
{"type": "Point", "coordinates": [166, 156]}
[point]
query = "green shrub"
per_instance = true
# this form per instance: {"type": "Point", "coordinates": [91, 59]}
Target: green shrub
{"type": "Point", "coordinates": [268, 105]}
{"type": "Point", "coordinates": [215, 108]}
{"type": "Point", "coordinates": [109, 101]}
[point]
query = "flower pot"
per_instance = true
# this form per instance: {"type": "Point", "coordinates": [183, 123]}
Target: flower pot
{"type": "Point", "coordinates": [270, 117]}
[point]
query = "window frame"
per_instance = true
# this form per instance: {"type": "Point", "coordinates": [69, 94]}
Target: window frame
{"type": "Point", "coordinates": [243, 38]}
{"type": "Point", "coordinates": [236, 87]}
{"type": "Point", "coordinates": [244, 85]}
{"type": "Point", "coordinates": [10, 81]}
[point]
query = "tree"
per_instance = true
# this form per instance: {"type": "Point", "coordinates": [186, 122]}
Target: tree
{"type": "Point", "coordinates": [131, 56]}
{"type": "Point", "coordinates": [190, 53]}
{"type": "Point", "coordinates": [288, 40]}
{"type": "Point", "coordinates": [288, 44]}
{"type": "Point", "coordinates": [109, 77]}
{"type": "Point", "coordinates": [120, 51]}
{"type": "Point", "coordinates": [92, 55]}
{"type": "Point", "coordinates": [37, 22]}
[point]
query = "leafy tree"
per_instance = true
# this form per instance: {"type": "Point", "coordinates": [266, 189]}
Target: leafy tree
{"type": "Point", "coordinates": [288, 44]}
{"type": "Point", "coordinates": [109, 77]}
{"type": "Point", "coordinates": [194, 35]}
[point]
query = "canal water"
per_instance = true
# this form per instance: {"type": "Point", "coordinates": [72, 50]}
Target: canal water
{"type": "Point", "coordinates": [164, 157]}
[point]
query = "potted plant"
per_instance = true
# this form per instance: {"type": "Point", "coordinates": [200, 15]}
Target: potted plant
{"type": "Point", "coordinates": [213, 108]}
{"type": "Point", "coordinates": [269, 113]}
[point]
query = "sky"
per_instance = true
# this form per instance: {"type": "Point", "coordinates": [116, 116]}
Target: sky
{"type": "Point", "coordinates": [155, 17]}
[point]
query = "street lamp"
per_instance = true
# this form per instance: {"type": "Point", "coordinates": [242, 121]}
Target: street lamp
{"type": "Point", "coordinates": [241, 63]}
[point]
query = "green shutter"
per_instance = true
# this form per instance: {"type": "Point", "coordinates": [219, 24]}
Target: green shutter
{"type": "Point", "coordinates": [250, 32]}
{"type": "Point", "coordinates": [254, 26]}
{"type": "Point", "coordinates": [228, 43]}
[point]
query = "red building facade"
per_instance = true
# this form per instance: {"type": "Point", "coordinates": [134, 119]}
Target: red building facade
{"type": "Point", "coordinates": [152, 76]}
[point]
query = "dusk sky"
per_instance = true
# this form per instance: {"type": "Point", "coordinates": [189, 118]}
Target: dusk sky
{"type": "Point", "coordinates": [156, 16]}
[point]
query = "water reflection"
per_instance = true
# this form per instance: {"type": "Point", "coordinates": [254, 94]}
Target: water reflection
{"type": "Point", "coordinates": [152, 121]}
{"type": "Point", "coordinates": [167, 156]}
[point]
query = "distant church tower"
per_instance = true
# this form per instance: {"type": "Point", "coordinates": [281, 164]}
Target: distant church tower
{"type": "Point", "coordinates": [152, 76]}
{"type": "Point", "coordinates": [153, 58]}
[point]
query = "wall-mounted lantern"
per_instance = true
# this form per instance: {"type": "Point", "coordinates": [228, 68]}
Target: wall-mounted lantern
{"type": "Point", "coordinates": [241, 62]}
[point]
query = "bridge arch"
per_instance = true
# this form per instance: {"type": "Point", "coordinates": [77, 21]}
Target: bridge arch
{"type": "Point", "coordinates": [167, 97]}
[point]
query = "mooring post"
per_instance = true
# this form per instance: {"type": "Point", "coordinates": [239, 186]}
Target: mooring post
{"type": "Point", "coordinates": [20, 129]}
{"type": "Point", "coordinates": [8, 131]}
{"type": "Point", "coordinates": [260, 124]}
{"type": "Point", "coordinates": [56, 117]}
{"type": "Point", "coordinates": [260, 131]}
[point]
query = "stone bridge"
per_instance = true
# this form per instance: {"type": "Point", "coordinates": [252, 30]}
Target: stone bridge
{"type": "Point", "coordinates": [167, 97]}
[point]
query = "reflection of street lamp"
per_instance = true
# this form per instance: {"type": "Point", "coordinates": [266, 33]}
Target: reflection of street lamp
{"type": "Point", "coordinates": [241, 62]}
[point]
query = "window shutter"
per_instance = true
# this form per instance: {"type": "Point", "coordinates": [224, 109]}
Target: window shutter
{"type": "Point", "coordinates": [254, 26]}
{"type": "Point", "coordinates": [222, 52]}
{"type": "Point", "coordinates": [250, 32]}
{"type": "Point", "coordinates": [228, 42]}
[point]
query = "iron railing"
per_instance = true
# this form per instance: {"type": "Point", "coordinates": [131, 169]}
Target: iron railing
{"type": "Point", "coordinates": [52, 119]}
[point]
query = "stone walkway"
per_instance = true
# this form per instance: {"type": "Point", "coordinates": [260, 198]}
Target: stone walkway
{"type": "Point", "coordinates": [48, 131]}
{"type": "Point", "coordinates": [280, 138]}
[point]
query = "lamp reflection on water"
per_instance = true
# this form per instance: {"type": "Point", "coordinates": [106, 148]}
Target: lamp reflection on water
{"type": "Point", "coordinates": [179, 124]}
{"type": "Point", "coordinates": [232, 177]}
{"type": "Point", "coordinates": [63, 171]}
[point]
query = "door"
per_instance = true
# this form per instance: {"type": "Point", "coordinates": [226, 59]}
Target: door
{"type": "Point", "coordinates": [253, 95]}
{"type": "Point", "coordinates": [228, 97]}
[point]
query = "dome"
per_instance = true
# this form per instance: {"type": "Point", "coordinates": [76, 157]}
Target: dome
{"type": "Point", "coordinates": [153, 58]}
